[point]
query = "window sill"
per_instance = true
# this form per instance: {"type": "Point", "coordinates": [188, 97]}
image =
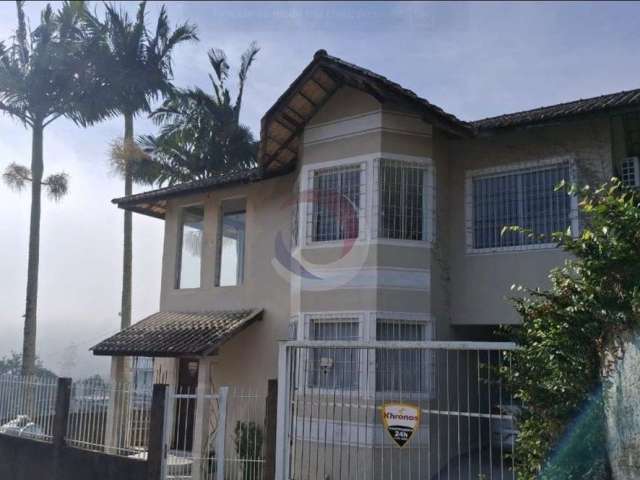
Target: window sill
{"type": "Point", "coordinates": [310, 244]}
{"type": "Point", "coordinates": [187, 290]}
{"type": "Point", "coordinates": [366, 393]}
{"type": "Point", "coordinates": [514, 249]}
{"type": "Point", "coordinates": [402, 243]}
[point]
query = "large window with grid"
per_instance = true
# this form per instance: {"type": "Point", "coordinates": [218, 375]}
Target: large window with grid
{"type": "Point", "coordinates": [402, 200]}
{"type": "Point", "coordinates": [402, 370]}
{"type": "Point", "coordinates": [338, 203]}
{"type": "Point", "coordinates": [334, 368]}
{"type": "Point", "coordinates": [527, 198]}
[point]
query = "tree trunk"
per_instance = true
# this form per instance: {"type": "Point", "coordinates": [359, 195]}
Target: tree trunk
{"type": "Point", "coordinates": [127, 256]}
{"type": "Point", "coordinates": [31, 307]}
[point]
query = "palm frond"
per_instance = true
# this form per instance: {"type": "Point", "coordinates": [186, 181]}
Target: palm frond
{"type": "Point", "coordinates": [21, 34]}
{"type": "Point", "coordinates": [57, 185]}
{"type": "Point", "coordinates": [16, 176]}
{"type": "Point", "coordinates": [218, 60]}
{"type": "Point", "coordinates": [246, 60]}
{"type": "Point", "coordinates": [132, 157]}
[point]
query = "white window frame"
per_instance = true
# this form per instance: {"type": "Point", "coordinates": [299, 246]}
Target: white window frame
{"type": "Point", "coordinates": [630, 172]}
{"type": "Point", "coordinates": [368, 321]}
{"type": "Point", "coordinates": [428, 196]}
{"type": "Point", "coordinates": [513, 168]}
{"type": "Point", "coordinates": [293, 328]}
{"type": "Point", "coordinates": [368, 215]}
{"type": "Point", "coordinates": [328, 317]}
{"type": "Point", "coordinates": [306, 214]}
{"type": "Point", "coordinates": [401, 317]}
{"type": "Point", "coordinates": [179, 234]}
{"type": "Point", "coordinates": [242, 262]}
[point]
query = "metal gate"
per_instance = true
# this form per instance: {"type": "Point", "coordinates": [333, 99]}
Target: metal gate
{"type": "Point", "coordinates": [394, 410]}
{"type": "Point", "coordinates": [214, 435]}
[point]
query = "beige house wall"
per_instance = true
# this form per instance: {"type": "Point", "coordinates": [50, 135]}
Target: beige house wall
{"type": "Point", "coordinates": [442, 280]}
{"type": "Point", "coordinates": [388, 276]}
{"type": "Point", "coordinates": [480, 282]}
{"type": "Point", "coordinates": [251, 357]}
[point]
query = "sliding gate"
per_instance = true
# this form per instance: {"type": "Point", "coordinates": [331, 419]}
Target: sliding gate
{"type": "Point", "coordinates": [394, 410]}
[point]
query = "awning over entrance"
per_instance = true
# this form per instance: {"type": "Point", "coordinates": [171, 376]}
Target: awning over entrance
{"type": "Point", "coordinates": [177, 334]}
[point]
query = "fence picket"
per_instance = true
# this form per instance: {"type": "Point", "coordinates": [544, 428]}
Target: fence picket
{"type": "Point", "coordinates": [331, 391]}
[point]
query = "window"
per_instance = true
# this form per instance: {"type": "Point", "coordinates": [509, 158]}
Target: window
{"type": "Point", "coordinates": [189, 257]}
{"type": "Point", "coordinates": [526, 198]}
{"type": "Point", "coordinates": [402, 200]}
{"type": "Point", "coordinates": [631, 126]}
{"type": "Point", "coordinates": [402, 370]}
{"type": "Point", "coordinates": [630, 171]}
{"type": "Point", "coordinates": [338, 203]}
{"type": "Point", "coordinates": [231, 244]}
{"type": "Point", "coordinates": [292, 332]}
{"type": "Point", "coordinates": [334, 368]}
{"type": "Point", "coordinates": [295, 223]}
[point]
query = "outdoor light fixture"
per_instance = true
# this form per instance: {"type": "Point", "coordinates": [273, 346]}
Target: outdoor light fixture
{"type": "Point", "coordinates": [326, 363]}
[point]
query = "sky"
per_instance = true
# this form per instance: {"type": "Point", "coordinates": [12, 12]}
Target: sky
{"type": "Point", "coordinates": [472, 59]}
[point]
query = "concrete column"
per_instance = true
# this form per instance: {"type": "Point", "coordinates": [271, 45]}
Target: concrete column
{"type": "Point", "coordinates": [203, 414]}
{"type": "Point", "coordinates": [158, 434]}
{"type": "Point", "coordinates": [117, 423]}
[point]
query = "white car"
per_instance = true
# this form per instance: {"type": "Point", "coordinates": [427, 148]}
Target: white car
{"type": "Point", "coordinates": [22, 426]}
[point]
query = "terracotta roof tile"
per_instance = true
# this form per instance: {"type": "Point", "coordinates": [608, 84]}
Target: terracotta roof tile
{"type": "Point", "coordinates": [173, 334]}
{"type": "Point", "coordinates": [601, 103]}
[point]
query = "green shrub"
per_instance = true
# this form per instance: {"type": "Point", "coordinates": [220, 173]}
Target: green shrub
{"type": "Point", "coordinates": [565, 333]}
{"type": "Point", "coordinates": [248, 442]}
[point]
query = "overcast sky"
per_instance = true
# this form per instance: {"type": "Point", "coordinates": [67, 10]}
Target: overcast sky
{"type": "Point", "coordinates": [473, 60]}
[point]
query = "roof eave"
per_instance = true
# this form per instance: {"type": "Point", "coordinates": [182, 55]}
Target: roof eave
{"type": "Point", "coordinates": [134, 202]}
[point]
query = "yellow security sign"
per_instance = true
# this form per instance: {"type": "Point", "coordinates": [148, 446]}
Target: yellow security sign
{"type": "Point", "coordinates": [401, 421]}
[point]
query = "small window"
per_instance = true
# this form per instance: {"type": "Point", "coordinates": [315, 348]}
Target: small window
{"type": "Point", "coordinates": [402, 370]}
{"type": "Point", "coordinates": [631, 125]}
{"type": "Point", "coordinates": [338, 201]}
{"type": "Point", "coordinates": [334, 368]}
{"type": "Point", "coordinates": [293, 329]}
{"type": "Point", "coordinates": [295, 223]}
{"type": "Point", "coordinates": [402, 205]}
{"type": "Point", "coordinates": [630, 172]}
{"type": "Point", "coordinates": [189, 258]}
{"type": "Point", "coordinates": [526, 198]}
{"type": "Point", "coordinates": [231, 244]}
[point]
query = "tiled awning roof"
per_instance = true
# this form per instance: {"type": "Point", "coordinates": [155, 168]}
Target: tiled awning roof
{"type": "Point", "coordinates": [177, 334]}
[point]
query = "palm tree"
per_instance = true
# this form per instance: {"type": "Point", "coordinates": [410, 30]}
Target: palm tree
{"type": "Point", "coordinates": [41, 77]}
{"type": "Point", "coordinates": [136, 67]}
{"type": "Point", "coordinates": [201, 134]}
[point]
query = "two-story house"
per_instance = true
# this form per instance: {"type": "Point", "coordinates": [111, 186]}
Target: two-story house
{"type": "Point", "coordinates": [373, 215]}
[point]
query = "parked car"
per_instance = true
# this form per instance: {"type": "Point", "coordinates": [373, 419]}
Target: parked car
{"type": "Point", "coordinates": [22, 426]}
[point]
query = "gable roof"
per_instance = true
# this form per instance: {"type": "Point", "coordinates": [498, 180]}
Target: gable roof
{"type": "Point", "coordinates": [175, 334]}
{"type": "Point", "coordinates": [284, 122]}
{"type": "Point", "coordinates": [599, 104]}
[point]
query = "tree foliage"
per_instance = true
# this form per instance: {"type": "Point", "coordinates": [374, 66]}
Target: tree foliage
{"type": "Point", "coordinates": [12, 365]}
{"type": "Point", "coordinates": [18, 176]}
{"type": "Point", "coordinates": [133, 62]}
{"type": "Point", "coordinates": [201, 134]}
{"type": "Point", "coordinates": [45, 73]}
{"type": "Point", "coordinates": [565, 333]}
